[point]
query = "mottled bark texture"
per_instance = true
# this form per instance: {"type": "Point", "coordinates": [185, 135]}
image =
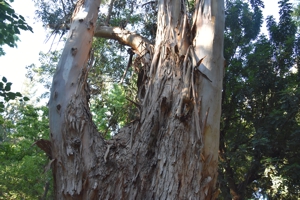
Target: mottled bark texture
{"type": "Point", "coordinates": [171, 151]}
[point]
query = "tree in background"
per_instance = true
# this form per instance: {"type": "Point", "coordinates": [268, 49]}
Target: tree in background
{"type": "Point", "coordinates": [260, 116]}
{"type": "Point", "coordinates": [20, 127]}
{"type": "Point", "coordinates": [296, 14]}
{"type": "Point", "coordinates": [23, 170]}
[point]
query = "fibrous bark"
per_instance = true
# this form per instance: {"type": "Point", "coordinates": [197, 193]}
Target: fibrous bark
{"type": "Point", "coordinates": [171, 150]}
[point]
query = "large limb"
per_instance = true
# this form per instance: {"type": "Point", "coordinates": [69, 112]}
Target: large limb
{"type": "Point", "coordinates": [139, 44]}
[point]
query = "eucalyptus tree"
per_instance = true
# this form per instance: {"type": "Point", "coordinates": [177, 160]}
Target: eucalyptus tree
{"type": "Point", "coordinates": [111, 73]}
{"type": "Point", "coordinates": [171, 149]}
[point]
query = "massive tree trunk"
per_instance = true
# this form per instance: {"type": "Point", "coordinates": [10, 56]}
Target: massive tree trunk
{"type": "Point", "coordinates": [171, 150]}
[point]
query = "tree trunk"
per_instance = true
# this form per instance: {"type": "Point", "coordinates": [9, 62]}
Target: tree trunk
{"type": "Point", "coordinates": [171, 150]}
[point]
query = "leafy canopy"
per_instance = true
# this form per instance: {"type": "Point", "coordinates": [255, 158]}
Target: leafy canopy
{"type": "Point", "coordinates": [10, 26]}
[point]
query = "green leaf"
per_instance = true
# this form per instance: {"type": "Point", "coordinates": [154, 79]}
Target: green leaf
{"type": "Point", "coordinates": [18, 94]}
{"type": "Point", "coordinates": [26, 99]}
{"type": "Point", "coordinates": [16, 30]}
{"type": "Point", "coordinates": [11, 95]}
{"type": "Point", "coordinates": [22, 18]}
{"type": "Point", "coordinates": [4, 79]}
{"type": "Point", "coordinates": [7, 88]}
{"type": "Point", "coordinates": [23, 27]}
{"type": "Point", "coordinates": [14, 16]}
{"type": "Point", "coordinates": [6, 99]}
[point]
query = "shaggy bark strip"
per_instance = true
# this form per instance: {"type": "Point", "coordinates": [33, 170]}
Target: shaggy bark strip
{"type": "Point", "coordinates": [171, 151]}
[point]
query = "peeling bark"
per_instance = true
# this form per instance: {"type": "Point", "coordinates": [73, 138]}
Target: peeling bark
{"type": "Point", "coordinates": [135, 41]}
{"type": "Point", "coordinates": [171, 151]}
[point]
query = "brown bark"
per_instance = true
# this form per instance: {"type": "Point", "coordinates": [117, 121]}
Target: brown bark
{"type": "Point", "coordinates": [171, 151]}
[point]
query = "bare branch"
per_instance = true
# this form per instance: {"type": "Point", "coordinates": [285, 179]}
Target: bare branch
{"type": "Point", "coordinates": [148, 3]}
{"type": "Point", "coordinates": [64, 7]}
{"type": "Point", "coordinates": [131, 53]}
{"type": "Point", "coordinates": [138, 43]}
{"type": "Point", "coordinates": [109, 12]}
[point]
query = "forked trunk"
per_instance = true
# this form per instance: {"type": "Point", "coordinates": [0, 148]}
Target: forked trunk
{"type": "Point", "coordinates": [171, 151]}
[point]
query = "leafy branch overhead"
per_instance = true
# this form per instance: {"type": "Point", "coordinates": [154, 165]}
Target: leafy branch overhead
{"type": "Point", "coordinates": [10, 26]}
{"type": "Point", "coordinates": [7, 95]}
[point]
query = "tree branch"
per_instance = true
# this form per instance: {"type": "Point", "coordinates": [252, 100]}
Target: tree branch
{"type": "Point", "coordinates": [148, 3]}
{"type": "Point", "coordinates": [138, 43]}
{"type": "Point", "coordinates": [109, 12]}
{"type": "Point", "coordinates": [131, 53]}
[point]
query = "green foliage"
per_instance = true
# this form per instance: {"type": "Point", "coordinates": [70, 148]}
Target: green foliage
{"type": "Point", "coordinates": [6, 94]}
{"type": "Point", "coordinates": [113, 110]}
{"type": "Point", "coordinates": [260, 114]}
{"type": "Point", "coordinates": [42, 75]}
{"type": "Point", "coordinates": [10, 25]}
{"type": "Point", "coordinates": [22, 164]}
{"type": "Point", "coordinates": [55, 14]}
{"type": "Point", "coordinates": [109, 99]}
{"type": "Point", "coordinates": [296, 15]}
{"type": "Point", "coordinates": [241, 26]}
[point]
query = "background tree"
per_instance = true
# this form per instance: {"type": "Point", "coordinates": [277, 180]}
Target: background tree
{"type": "Point", "coordinates": [23, 168]}
{"type": "Point", "coordinates": [296, 14]}
{"type": "Point", "coordinates": [260, 120]}
{"type": "Point", "coordinates": [20, 163]}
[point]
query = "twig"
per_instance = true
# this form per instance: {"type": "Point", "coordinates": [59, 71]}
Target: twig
{"type": "Point", "coordinates": [148, 3]}
{"type": "Point", "coordinates": [109, 12]}
{"type": "Point", "coordinates": [107, 151]}
{"type": "Point", "coordinates": [131, 53]}
{"type": "Point", "coordinates": [64, 8]}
